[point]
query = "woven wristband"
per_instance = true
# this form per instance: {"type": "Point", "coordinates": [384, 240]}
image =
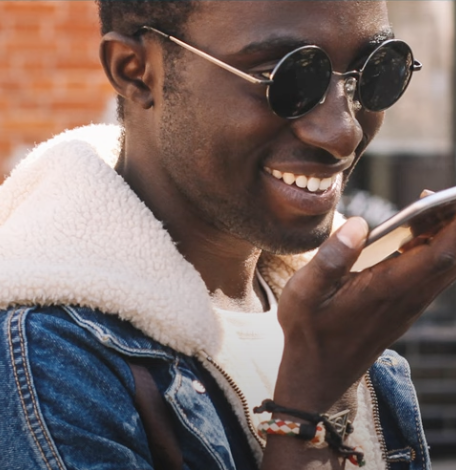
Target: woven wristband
{"type": "Point", "coordinates": [334, 430]}
{"type": "Point", "coordinates": [315, 434]}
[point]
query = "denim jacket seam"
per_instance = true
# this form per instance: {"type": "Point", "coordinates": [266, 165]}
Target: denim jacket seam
{"type": "Point", "coordinates": [115, 344]}
{"type": "Point", "coordinates": [189, 424]}
{"type": "Point", "coordinates": [18, 358]}
{"type": "Point", "coordinates": [417, 421]}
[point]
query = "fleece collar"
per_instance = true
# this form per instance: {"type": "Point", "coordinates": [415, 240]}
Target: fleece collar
{"type": "Point", "coordinates": [73, 232]}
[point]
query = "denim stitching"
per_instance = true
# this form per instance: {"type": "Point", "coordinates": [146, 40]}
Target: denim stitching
{"type": "Point", "coordinates": [401, 455]}
{"type": "Point", "coordinates": [103, 337]}
{"type": "Point", "coordinates": [188, 424]}
{"type": "Point", "coordinates": [404, 449]}
{"type": "Point", "coordinates": [417, 423]}
{"type": "Point", "coordinates": [16, 378]}
{"type": "Point", "coordinates": [29, 383]}
{"type": "Point", "coordinates": [25, 390]}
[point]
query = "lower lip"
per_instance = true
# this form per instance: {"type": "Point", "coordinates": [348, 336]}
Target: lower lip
{"type": "Point", "coordinates": [302, 201]}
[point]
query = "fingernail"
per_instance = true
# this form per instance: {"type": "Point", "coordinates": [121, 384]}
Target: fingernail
{"type": "Point", "coordinates": [353, 233]}
{"type": "Point", "coordinates": [426, 192]}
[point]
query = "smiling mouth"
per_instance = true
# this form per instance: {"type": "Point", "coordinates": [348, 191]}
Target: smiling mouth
{"type": "Point", "coordinates": [312, 184]}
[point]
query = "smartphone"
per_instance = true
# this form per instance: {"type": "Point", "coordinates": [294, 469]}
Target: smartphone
{"type": "Point", "coordinates": [421, 219]}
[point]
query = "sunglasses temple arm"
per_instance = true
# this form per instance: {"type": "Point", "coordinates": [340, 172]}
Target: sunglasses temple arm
{"type": "Point", "coordinates": [417, 66]}
{"type": "Point", "coordinates": [210, 58]}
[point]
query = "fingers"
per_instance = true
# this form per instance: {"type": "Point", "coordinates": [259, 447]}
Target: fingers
{"type": "Point", "coordinates": [427, 268]}
{"type": "Point", "coordinates": [334, 258]}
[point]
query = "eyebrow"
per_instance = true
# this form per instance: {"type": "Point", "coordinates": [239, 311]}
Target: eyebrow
{"type": "Point", "coordinates": [290, 42]}
{"type": "Point", "coordinates": [282, 42]}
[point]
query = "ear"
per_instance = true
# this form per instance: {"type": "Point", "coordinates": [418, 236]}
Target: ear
{"type": "Point", "coordinates": [124, 62]}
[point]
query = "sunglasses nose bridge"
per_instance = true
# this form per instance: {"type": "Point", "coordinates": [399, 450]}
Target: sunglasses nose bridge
{"type": "Point", "coordinates": [351, 80]}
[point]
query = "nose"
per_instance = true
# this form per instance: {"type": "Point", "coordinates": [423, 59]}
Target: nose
{"type": "Point", "coordinates": [332, 125]}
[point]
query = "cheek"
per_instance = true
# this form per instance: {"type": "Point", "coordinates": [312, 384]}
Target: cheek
{"type": "Point", "coordinates": [233, 106]}
{"type": "Point", "coordinates": [371, 124]}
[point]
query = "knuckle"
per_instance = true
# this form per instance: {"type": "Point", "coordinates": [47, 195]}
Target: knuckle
{"type": "Point", "coordinates": [325, 265]}
{"type": "Point", "coordinates": [329, 259]}
{"type": "Point", "coordinates": [444, 262]}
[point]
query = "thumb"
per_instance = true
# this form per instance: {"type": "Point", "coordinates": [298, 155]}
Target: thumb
{"type": "Point", "coordinates": [337, 255]}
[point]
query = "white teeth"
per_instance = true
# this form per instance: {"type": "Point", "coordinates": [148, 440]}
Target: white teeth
{"type": "Point", "coordinates": [277, 174]}
{"type": "Point", "coordinates": [301, 181]}
{"type": "Point", "coordinates": [313, 184]}
{"type": "Point", "coordinates": [325, 184]}
{"type": "Point", "coordinates": [289, 178]}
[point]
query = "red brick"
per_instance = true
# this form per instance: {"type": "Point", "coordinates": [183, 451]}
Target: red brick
{"type": "Point", "coordinates": [72, 64]}
{"type": "Point", "coordinates": [29, 7]}
{"type": "Point", "coordinates": [10, 85]}
{"type": "Point", "coordinates": [5, 103]}
{"type": "Point", "coordinates": [75, 7]}
{"type": "Point", "coordinates": [5, 145]}
{"type": "Point", "coordinates": [78, 25]}
{"type": "Point", "coordinates": [52, 79]}
{"type": "Point", "coordinates": [28, 27]}
{"type": "Point", "coordinates": [76, 104]}
{"type": "Point", "coordinates": [23, 44]}
{"type": "Point", "coordinates": [41, 84]}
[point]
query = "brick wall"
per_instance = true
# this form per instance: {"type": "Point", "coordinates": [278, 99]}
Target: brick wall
{"type": "Point", "coordinates": [50, 75]}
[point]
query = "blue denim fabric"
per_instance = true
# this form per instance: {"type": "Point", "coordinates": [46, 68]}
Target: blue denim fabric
{"type": "Point", "coordinates": [67, 399]}
{"type": "Point", "coordinates": [397, 403]}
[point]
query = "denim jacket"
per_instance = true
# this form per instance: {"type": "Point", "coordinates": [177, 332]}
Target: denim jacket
{"type": "Point", "coordinates": [67, 399]}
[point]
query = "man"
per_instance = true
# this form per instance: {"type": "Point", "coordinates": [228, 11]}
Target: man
{"type": "Point", "coordinates": [175, 248]}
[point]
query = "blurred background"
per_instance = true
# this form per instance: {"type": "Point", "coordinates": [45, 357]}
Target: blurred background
{"type": "Point", "coordinates": [51, 80]}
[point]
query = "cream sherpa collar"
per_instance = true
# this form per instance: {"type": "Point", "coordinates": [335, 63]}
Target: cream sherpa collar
{"type": "Point", "coordinates": [73, 232]}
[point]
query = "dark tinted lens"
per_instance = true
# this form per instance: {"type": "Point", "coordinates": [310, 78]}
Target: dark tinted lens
{"type": "Point", "coordinates": [386, 76]}
{"type": "Point", "coordinates": [299, 82]}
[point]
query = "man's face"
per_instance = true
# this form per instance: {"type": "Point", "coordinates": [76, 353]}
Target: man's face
{"type": "Point", "coordinates": [218, 140]}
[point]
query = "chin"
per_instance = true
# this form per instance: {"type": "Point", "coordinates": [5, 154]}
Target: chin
{"type": "Point", "coordinates": [291, 241]}
{"type": "Point", "coordinates": [290, 245]}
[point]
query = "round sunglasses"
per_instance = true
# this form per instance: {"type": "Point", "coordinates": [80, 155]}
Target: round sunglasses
{"type": "Point", "coordinates": [300, 80]}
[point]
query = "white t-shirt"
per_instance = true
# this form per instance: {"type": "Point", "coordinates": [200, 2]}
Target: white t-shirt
{"type": "Point", "coordinates": [262, 339]}
{"type": "Point", "coordinates": [261, 335]}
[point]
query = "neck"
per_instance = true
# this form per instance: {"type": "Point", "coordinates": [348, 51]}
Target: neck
{"type": "Point", "coordinates": [226, 263]}
{"type": "Point", "coordinates": [228, 268]}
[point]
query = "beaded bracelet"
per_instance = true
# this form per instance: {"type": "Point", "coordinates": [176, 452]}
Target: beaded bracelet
{"type": "Point", "coordinates": [335, 432]}
{"type": "Point", "coordinates": [316, 435]}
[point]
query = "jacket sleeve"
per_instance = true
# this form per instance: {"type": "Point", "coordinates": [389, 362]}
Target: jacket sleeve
{"type": "Point", "coordinates": [66, 401]}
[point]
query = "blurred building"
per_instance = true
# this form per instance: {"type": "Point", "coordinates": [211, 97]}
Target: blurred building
{"type": "Point", "coordinates": [414, 149]}
{"type": "Point", "coordinates": [50, 75]}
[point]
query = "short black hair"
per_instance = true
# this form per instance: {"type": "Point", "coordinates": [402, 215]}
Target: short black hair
{"type": "Point", "coordinates": [127, 16]}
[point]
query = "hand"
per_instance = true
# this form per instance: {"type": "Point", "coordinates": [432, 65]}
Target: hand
{"type": "Point", "coordinates": [336, 323]}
